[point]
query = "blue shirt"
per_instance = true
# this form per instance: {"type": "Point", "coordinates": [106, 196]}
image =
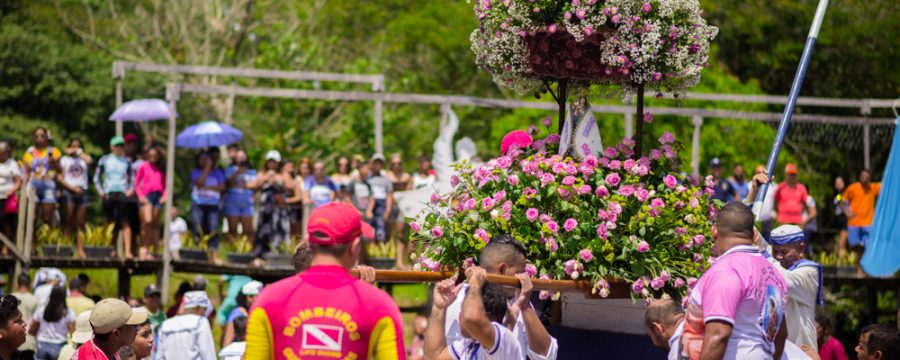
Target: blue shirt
{"type": "Point", "coordinates": [239, 195]}
{"type": "Point", "coordinates": [320, 193]}
{"type": "Point", "coordinates": [113, 174]}
{"type": "Point", "coordinates": [741, 188]}
{"type": "Point", "coordinates": [206, 196]}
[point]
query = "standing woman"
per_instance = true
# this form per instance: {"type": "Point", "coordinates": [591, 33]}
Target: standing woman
{"type": "Point", "coordinates": [274, 226]}
{"type": "Point", "coordinates": [10, 182]}
{"type": "Point", "coordinates": [304, 171]}
{"type": "Point", "coordinates": [295, 192]}
{"type": "Point", "coordinates": [52, 325]}
{"type": "Point", "coordinates": [342, 179]}
{"type": "Point", "coordinates": [239, 196]}
{"type": "Point", "coordinates": [41, 164]}
{"type": "Point", "coordinates": [401, 181]}
{"type": "Point", "coordinates": [151, 191]}
{"type": "Point", "coordinates": [840, 215]}
{"type": "Point", "coordinates": [208, 184]}
{"type": "Point", "coordinates": [424, 176]}
{"type": "Point", "coordinates": [74, 181]}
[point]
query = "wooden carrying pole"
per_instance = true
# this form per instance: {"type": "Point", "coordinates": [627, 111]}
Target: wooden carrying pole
{"type": "Point", "coordinates": [618, 289]}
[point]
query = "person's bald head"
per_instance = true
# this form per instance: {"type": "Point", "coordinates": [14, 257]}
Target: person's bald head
{"type": "Point", "coordinates": [503, 255]}
{"type": "Point", "coordinates": [734, 226]}
{"type": "Point", "coordinates": [661, 320]}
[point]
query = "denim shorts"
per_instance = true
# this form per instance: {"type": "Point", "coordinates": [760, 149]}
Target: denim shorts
{"type": "Point", "coordinates": [45, 189]}
{"type": "Point", "coordinates": [80, 200]}
{"type": "Point", "coordinates": [154, 198]}
{"type": "Point", "coordinates": [241, 210]}
{"type": "Point", "coordinates": [858, 235]}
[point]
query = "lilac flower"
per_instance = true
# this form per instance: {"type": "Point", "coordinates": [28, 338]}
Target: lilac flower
{"type": "Point", "coordinates": [552, 139]}
{"type": "Point", "coordinates": [698, 258]}
{"type": "Point", "coordinates": [532, 130]}
{"type": "Point", "coordinates": [601, 191]}
{"type": "Point", "coordinates": [531, 214]}
{"type": "Point", "coordinates": [667, 138]}
{"type": "Point", "coordinates": [482, 234]}
{"type": "Point", "coordinates": [691, 282]}
{"type": "Point", "coordinates": [643, 247]}
{"type": "Point", "coordinates": [415, 226]}
{"type": "Point", "coordinates": [437, 231]}
{"type": "Point", "coordinates": [602, 232]}
{"type": "Point", "coordinates": [552, 226]}
{"type": "Point", "coordinates": [570, 224]}
{"type": "Point", "coordinates": [695, 202]}
{"type": "Point", "coordinates": [584, 190]}
{"type": "Point", "coordinates": [679, 282]}
{"type": "Point", "coordinates": [568, 180]}
{"type": "Point", "coordinates": [613, 179]}
{"type": "Point", "coordinates": [586, 255]}
{"type": "Point", "coordinates": [530, 270]}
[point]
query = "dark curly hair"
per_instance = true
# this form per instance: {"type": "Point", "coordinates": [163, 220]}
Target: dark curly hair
{"type": "Point", "coordinates": [9, 307]}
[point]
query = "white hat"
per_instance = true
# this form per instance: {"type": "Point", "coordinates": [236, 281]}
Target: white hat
{"type": "Point", "coordinates": [377, 156]}
{"type": "Point", "coordinates": [194, 299]}
{"type": "Point", "coordinates": [273, 155]}
{"type": "Point", "coordinates": [83, 330]}
{"type": "Point", "coordinates": [252, 288]}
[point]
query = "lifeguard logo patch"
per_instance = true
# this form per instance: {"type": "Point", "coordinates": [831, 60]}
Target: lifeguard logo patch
{"type": "Point", "coordinates": [322, 337]}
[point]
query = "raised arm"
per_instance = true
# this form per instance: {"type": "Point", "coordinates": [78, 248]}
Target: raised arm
{"type": "Point", "coordinates": [436, 346]}
{"type": "Point", "coordinates": [473, 317]}
{"type": "Point", "coordinates": [540, 343]}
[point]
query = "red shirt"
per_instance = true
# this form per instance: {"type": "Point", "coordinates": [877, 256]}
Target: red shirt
{"type": "Point", "coordinates": [89, 351]}
{"type": "Point", "coordinates": [324, 314]}
{"type": "Point", "coordinates": [791, 202]}
{"type": "Point", "coordinates": [832, 350]}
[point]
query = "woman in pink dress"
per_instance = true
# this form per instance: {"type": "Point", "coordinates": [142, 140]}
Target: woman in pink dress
{"type": "Point", "coordinates": [150, 189]}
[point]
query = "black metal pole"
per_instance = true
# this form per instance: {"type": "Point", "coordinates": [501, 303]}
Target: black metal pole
{"type": "Point", "coordinates": [562, 93]}
{"type": "Point", "coordinates": [639, 129]}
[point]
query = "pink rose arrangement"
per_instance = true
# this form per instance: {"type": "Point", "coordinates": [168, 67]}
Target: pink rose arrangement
{"type": "Point", "coordinates": [597, 219]}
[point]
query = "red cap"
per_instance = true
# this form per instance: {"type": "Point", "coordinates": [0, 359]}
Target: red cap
{"type": "Point", "coordinates": [131, 138]}
{"type": "Point", "coordinates": [515, 137]}
{"type": "Point", "coordinates": [790, 169]}
{"type": "Point", "coordinates": [339, 222]}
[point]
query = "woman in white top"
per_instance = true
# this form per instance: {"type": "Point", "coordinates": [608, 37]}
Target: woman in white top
{"type": "Point", "coordinates": [424, 177]}
{"type": "Point", "coordinates": [74, 180]}
{"type": "Point", "coordinates": [10, 182]}
{"type": "Point", "coordinates": [342, 179]}
{"type": "Point", "coordinates": [52, 325]}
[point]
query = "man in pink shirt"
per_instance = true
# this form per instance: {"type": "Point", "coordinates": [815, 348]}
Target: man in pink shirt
{"type": "Point", "coordinates": [736, 309]}
{"type": "Point", "coordinates": [790, 198]}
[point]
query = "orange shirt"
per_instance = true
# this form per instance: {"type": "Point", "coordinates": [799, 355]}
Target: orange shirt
{"type": "Point", "coordinates": [862, 203]}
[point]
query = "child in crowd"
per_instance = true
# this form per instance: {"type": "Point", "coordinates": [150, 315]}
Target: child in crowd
{"type": "Point", "coordinates": [416, 350]}
{"type": "Point", "coordinates": [177, 229]}
{"type": "Point", "coordinates": [235, 350]}
{"type": "Point", "coordinates": [829, 346]}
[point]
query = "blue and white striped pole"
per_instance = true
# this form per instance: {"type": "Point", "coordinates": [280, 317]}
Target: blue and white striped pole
{"type": "Point", "coordinates": [792, 97]}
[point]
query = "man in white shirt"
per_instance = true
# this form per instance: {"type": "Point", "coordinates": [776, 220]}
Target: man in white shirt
{"type": "Point", "coordinates": [664, 323]}
{"type": "Point", "coordinates": [804, 281]}
{"type": "Point", "coordinates": [235, 350]}
{"type": "Point", "coordinates": [188, 336]}
{"type": "Point", "coordinates": [484, 337]}
{"type": "Point", "coordinates": [504, 255]}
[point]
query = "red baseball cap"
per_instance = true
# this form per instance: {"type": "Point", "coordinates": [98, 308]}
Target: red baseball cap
{"type": "Point", "coordinates": [131, 138]}
{"type": "Point", "coordinates": [339, 222]}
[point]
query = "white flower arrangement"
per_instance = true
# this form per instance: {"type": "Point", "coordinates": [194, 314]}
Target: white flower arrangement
{"type": "Point", "coordinates": [662, 44]}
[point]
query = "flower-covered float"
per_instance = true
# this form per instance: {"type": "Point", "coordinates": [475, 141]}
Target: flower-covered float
{"type": "Point", "coordinates": [612, 218]}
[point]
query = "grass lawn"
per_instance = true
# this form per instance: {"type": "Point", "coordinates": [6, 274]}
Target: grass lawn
{"type": "Point", "coordinates": [104, 283]}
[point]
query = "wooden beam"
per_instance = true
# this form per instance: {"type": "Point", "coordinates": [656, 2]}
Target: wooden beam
{"type": "Point", "coordinates": [173, 93]}
{"type": "Point", "coordinates": [375, 80]}
{"type": "Point", "coordinates": [12, 247]}
{"type": "Point", "coordinates": [695, 146]}
{"type": "Point", "coordinates": [29, 223]}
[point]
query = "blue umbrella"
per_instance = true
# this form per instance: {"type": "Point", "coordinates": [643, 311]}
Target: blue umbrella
{"type": "Point", "coordinates": [208, 134]}
{"type": "Point", "coordinates": [143, 110]}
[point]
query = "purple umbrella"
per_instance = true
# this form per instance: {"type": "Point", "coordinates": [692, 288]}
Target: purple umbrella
{"type": "Point", "coordinates": [208, 134]}
{"type": "Point", "coordinates": [143, 110]}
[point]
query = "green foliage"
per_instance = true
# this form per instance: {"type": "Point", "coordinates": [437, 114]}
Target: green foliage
{"type": "Point", "coordinates": [98, 235]}
{"type": "Point", "coordinates": [47, 235]}
{"type": "Point", "coordinates": [386, 249]}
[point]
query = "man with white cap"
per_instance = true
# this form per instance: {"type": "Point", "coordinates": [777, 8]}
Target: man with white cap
{"type": "Point", "coordinates": [248, 293]}
{"type": "Point", "coordinates": [804, 281]}
{"type": "Point", "coordinates": [83, 333]}
{"type": "Point", "coordinates": [188, 336]}
{"type": "Point", "coordinates": [115, 325]}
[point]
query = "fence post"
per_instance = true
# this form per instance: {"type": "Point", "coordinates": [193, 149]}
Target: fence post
{"type": "Point", "coordinates": [695, 145]}
{"type": "Point", "coordinates": [629, 124]}
{"type": "Point", "coordinates": [379, 119]}
{"type": "Point", "coordinates": [118, 72]}
{"type": "Point", "coordinates": [867, 147]}
{"type": "Point", "coordinates": [172, 95]}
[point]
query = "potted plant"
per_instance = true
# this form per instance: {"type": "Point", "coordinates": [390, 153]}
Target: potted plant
{"type": "Point", "coordinates": [98, 241]}
{"type": "Point", "coordinates": [836, 265]}
{"type": "Point", "coordinates": [283, 257]}
{"type": "Point", "coordinates": [240, 251]}
{"type": "Point", "coordinates": [606, 219]}
{"type": "Point", "coordinates": [381, 255]}
{"type": "Point", "coordinates": [195, 250]}
{"type": "Point", "coordinates": [54, 243]}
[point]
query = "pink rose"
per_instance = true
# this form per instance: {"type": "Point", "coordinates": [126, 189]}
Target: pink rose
{"type": "Point", "coordinates": [641, 194]}
{"type": "Point", "coordinates": [586, 170]}
{"type": "Point", "coordinates": [680, 231]}
{"type": "Point", "coordinates": [552, 246]}
{"type": "Point", "coordinates": [545, 295]}
{"type": "Point", "coordinates": [615, 165]}
{"type": "Point", "coordinates": [530, 270]}
{"type": "Point", "coordinates": [657, 202]}
{"type": "Point", "coordinates": [504, 162]}
{"type": "Point", "coordinates": [679, 282]}
{"type": "Point", "coordinates": [610, 152]}
{"type": "Point", "coordinates": [655, 154]}
{"type": "Point", "coordinates": [643, 247]}
{"type": "Point", "coordinates": [670, 181]}
{"type": "Point", "coordinates": [435, 199]}
{"type": "Point", "coordinates": [482, 234]}
{"type": "Point", "coordinates": [563, 193]}
{"type": "Point", "coordinates": [667, 138]}
{"type": "Point", "coordinates": [531, 214]}
{"type": "Point", "coordinates": [603, 162]}
{"type": "Point", "coordinates": [437, 231]}
{"type": "Point", "coordinates": [546, 179]}
{"type": "Point", "coordinates": [698, 258]}
{"type": "Point", "coordinates": [602, 232]}
{"type": "Point", "coordinates": [500, 195]}
{"type": "Point", "coordinates": [545, 218]}
{"type": "Point", "coordinates": [571, 169]}
{"type": "Point", "coordinates": [657, 283]}
{"type": "Point", "coordinates": [637, 286]}
{"type": "Point", "coordinates": [454, 181]}
{"type": "Point", "coordinates": [664, 276]}
{"type": "Point", "coordinates": [532, 130]}
{"type": "Point", "coordinates": [431, 264]}
{"type": "Point", "coordinates": [695, 203]}
{"type": "Point", "coordinates": [615, 208]}
{"type": "Point", "coordinates": [552, 226]}
{"type": "Point", "coordinates": [415, 226]}
{"type": "Point", "coordinates": [568, 180]}
{"type": "Point", "coordinates": [507, 206]}
{"type": "Point", "coordinates": [586, 255]}
{"type": "Point", "coordinates": [699, 239]}
{"type": "Point", "coordinates": [691, 282]}
{"type": "Point", "coordinates": [552, 139]}
{"type": "Point", "coordinates": [513, 180]}
{"type": "Point", "coordinates": [625, 190]}
{"type": "Point", "coordinates": [487, 204]}
{"type": "Point", "coordinates": [573, 268]}
{"type": "Point", "coordinates": [589, 161]}
{"type": "Point", "coordinates": [471, 204]}
{"type": "Point", "coordinates": [613, 179]}
{"type": "Point", "coordinates": [601, 191]}
{"type": "Point", "coordinates": [603, 215]}
{"type": "Point", "coordinates": [629, 163]}
{"type": "Point", "coordinates": [570, 224]}
{"type": "Point", "coordinates": [584, 189]}
{"type": "Point", "coordinates": [529, 192]}
{"type": "Point", "coordinates": [558, 168]}
{"type": "Point", "coordinates": [547, 121]}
